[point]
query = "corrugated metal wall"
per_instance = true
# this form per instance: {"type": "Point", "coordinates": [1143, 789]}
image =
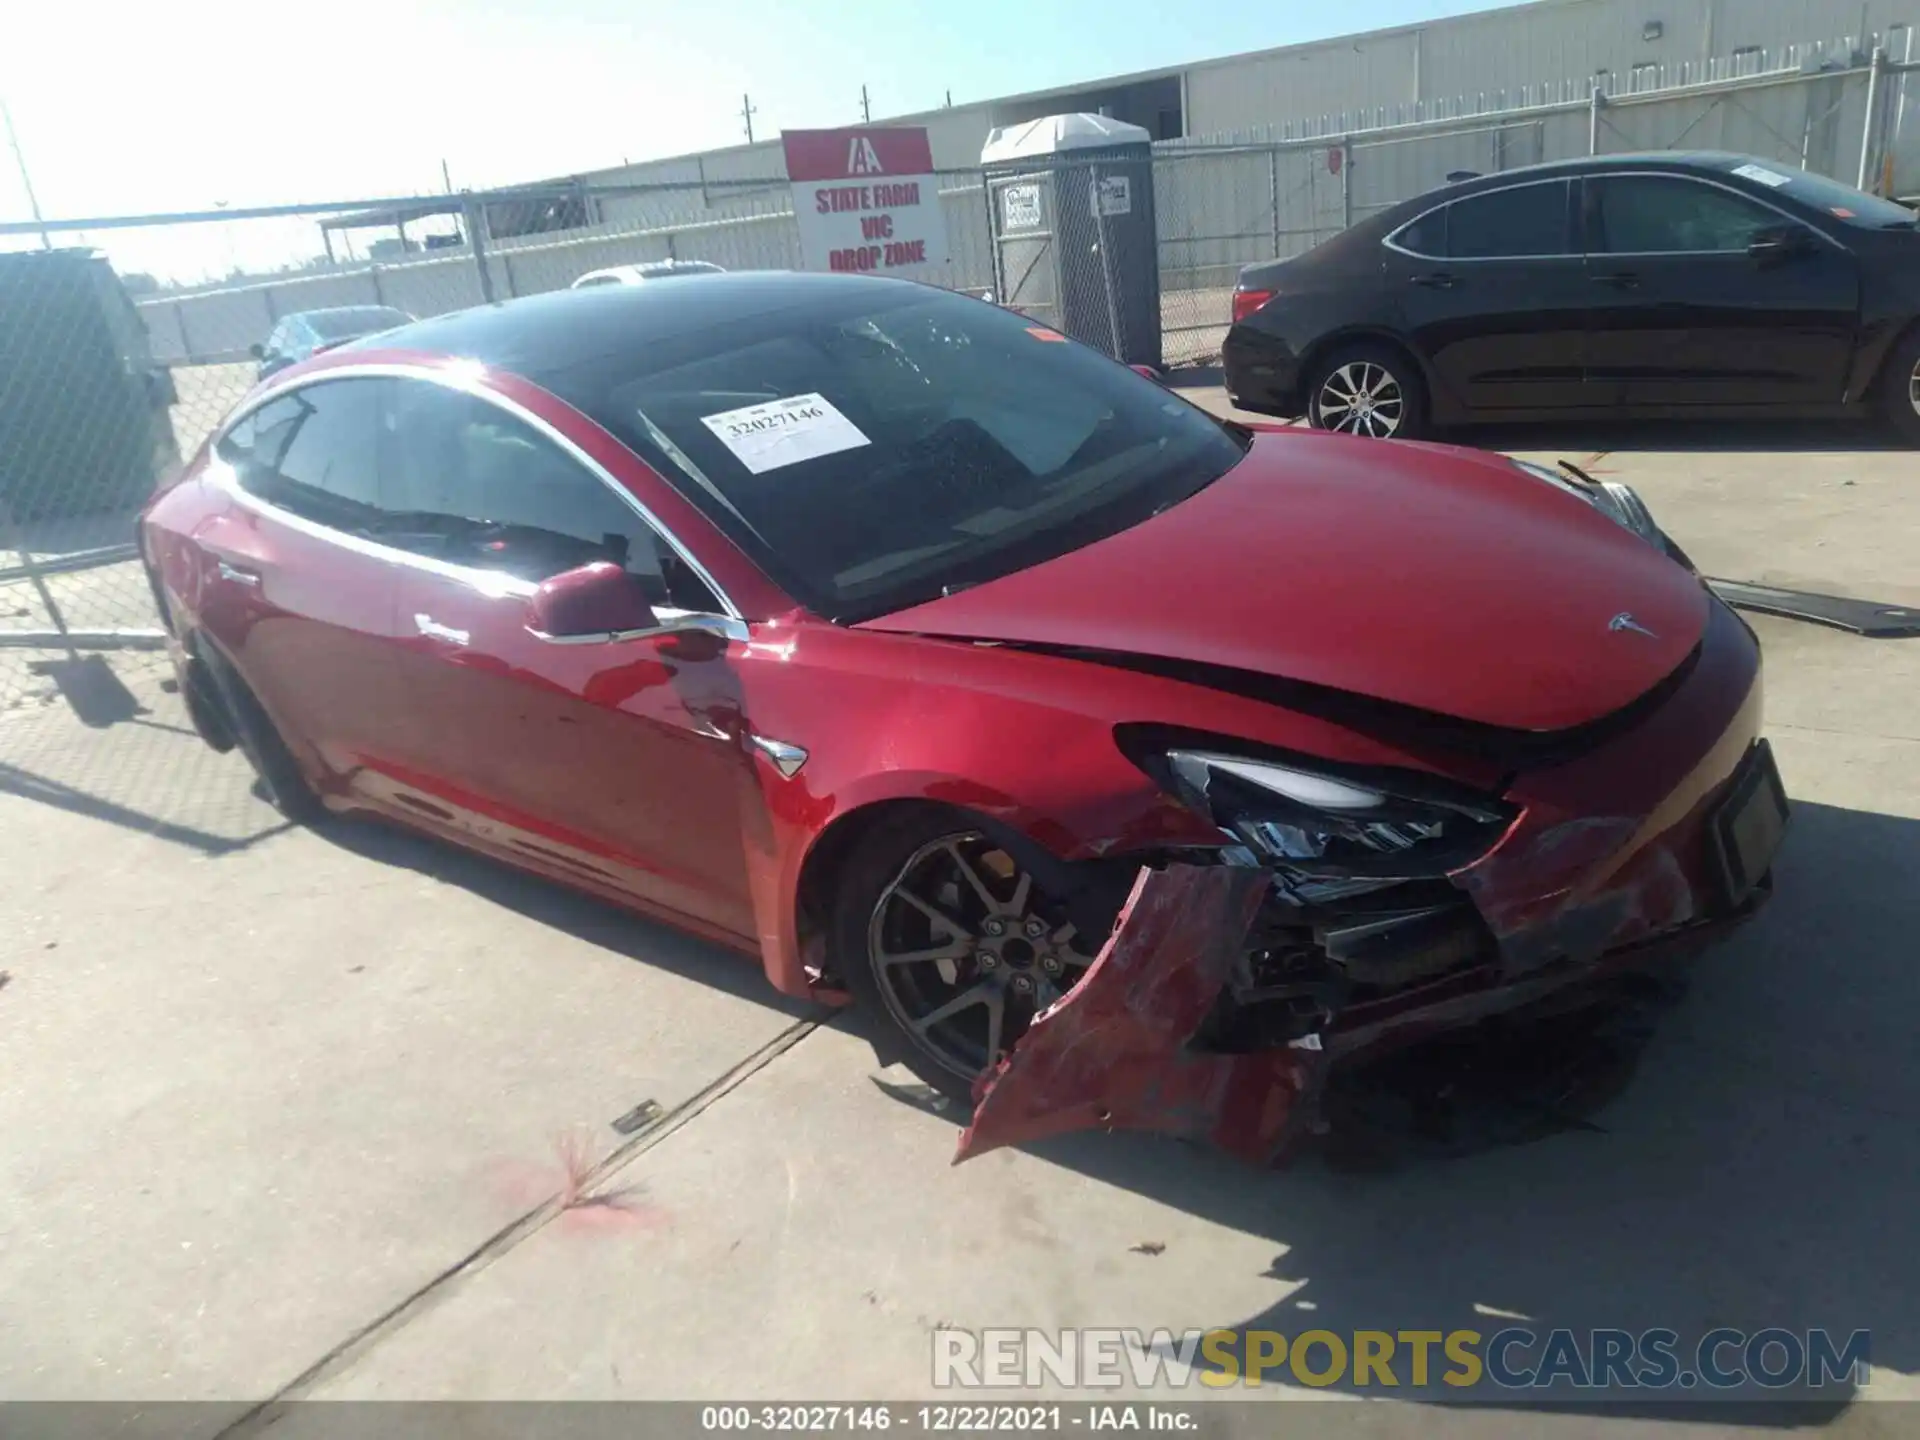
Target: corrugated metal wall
{"type": "Point", "coordinates": [1499, 52]}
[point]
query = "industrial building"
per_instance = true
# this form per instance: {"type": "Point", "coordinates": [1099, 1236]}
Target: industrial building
{"type": "Point", "coordinates": [1617, 44]}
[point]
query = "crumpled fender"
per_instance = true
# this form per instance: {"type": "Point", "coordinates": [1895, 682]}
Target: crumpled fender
{"type": "Point", "coordinates": [1113, 1054]}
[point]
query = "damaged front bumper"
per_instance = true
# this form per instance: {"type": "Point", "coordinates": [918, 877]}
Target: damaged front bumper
{"type": "Point", "coordinates": [1640, 852]}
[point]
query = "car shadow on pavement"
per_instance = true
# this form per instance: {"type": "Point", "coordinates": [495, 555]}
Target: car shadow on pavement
{"type": "Point", "coordinates": [546, 902]}
{"type": "Point", "coordinates": [1753, 1167]}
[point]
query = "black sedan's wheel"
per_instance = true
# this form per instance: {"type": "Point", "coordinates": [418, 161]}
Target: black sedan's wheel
{"type": "Point", "coordinates": [1367, 390]}
{"type": "Point", "coordinates": [1900, 394]}
{"type": "Point", "coordinates": [943, 933]}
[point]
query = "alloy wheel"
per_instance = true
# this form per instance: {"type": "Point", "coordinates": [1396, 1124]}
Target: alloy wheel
{"type": "Point", "coordinates": [1913, 388]}
{"type": "Point", "coordinates": [967, 951]}
{"type": "Point", "coordinates": [1362, 398]}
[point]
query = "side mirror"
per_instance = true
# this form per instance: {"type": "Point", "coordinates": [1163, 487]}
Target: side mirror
{"type": "Point", "coordinates": [257, 350]}
{"type": "Point", "coordinates": [599, 601]}
{"type": "Point", "coordinates": [1780, 242]}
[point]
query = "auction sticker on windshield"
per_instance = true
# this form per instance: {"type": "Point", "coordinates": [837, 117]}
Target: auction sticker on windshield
{"type": "Point", "coordinates": [785, 432]}
{"type": "Point", "coordinates": [1765, 176]}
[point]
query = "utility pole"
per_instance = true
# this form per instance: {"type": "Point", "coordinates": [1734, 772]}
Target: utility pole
{"type": "Point", "coordinates": [446, 177]}
{"type": "Point", "coordinates": [747, 112]}
{"type": "Point", "coordinates": [26, 181]}
{"type": "Point", "coordinates": [949, 99]}
{"type": "Point", "coordinates": [866, 110]}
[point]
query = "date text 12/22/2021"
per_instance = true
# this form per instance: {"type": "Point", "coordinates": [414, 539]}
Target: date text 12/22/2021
{"type": "Point", "coordinates": [957, 1419]}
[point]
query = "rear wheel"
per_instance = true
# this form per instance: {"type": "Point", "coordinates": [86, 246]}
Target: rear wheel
{"type": "Point", "coordinates": [942, 934]}
{"type": "Point", "coordinates": [1368, 389]}
{"type": "Point", "coordinates": [1900, 387]}
{"type": "Point", "coordinates": [281, 782]}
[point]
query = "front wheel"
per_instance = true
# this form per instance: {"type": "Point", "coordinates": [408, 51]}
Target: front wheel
{"type": "Point", "coordinates": [1370, 390]}
{"type": "Point", "coordinates": [943, 935]}
{"type": "Point", "coordinates": [1900, 387]}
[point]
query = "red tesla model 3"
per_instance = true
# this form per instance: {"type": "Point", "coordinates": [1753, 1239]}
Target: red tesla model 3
{"type": "Point", "coordinates": [1136, 766]}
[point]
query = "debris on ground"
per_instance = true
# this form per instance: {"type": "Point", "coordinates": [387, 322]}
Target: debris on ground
{"type": "Point", "coordinates": [1149, 1247]}
{"type": "Point", "coordinates": [638, 1118]}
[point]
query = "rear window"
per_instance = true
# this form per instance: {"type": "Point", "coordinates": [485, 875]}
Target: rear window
{"type": "Point", "coordinates": [1526, 220]}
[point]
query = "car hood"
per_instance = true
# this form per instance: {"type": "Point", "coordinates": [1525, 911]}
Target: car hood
{"type": "Point", "coordinates": [1423, 575]}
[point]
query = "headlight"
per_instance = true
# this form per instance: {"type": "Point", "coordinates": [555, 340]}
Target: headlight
{"type": "Point", "coordinates": [1326, 823]}
{"type": "Point", "coordinates": [1619, 503]}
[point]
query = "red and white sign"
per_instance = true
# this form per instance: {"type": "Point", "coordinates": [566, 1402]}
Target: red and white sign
{"type": "Point", "coordinates": [866, 199]}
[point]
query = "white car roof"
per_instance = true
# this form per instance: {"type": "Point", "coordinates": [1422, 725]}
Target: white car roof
{"type": "Point", "coordinates": [637, 274]}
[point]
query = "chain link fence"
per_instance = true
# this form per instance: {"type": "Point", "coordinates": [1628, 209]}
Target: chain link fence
{"type": "Point", "coordinates": [109, 382]}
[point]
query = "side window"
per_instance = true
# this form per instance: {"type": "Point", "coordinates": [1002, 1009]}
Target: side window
{"type": "Point", "coordinates": [1426, 236]}
{"type": "Point", "coordinates": [470, 484]}
{"type": "Point", "coordinates": [1511, 224]}
{"type": "Point", "coordinates": [1645, 214]}
{"type": "Point", "coordinates": [312, 452]}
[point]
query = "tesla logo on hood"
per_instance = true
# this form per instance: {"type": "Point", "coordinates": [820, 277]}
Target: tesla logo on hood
{"type": "Point", "coordinates": [1625, 621]}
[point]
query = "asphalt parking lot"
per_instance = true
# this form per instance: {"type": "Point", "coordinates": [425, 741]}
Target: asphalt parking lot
{"type": "Point", "coordinates": [293, 1114]}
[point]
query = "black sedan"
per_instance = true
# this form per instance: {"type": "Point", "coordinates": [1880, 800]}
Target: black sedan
{"type": "Point", "coordinates": [1620, 285]}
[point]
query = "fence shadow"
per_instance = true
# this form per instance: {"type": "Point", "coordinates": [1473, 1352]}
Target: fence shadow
{"type": "Point", "coordinates": [140, 767]}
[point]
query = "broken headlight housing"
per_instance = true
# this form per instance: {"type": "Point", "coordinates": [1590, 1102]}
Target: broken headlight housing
{"type": "Point", "coordinates": [1619, 503]}
{"type": "Point", "coordinates": [1322, 823]}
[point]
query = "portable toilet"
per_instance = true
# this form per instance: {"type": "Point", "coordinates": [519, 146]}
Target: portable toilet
{"type": "Point", "coordinates": [1074, 244]}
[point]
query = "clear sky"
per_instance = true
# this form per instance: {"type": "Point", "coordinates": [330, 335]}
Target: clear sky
{"type": "Point", "coordinates": [159, 105]}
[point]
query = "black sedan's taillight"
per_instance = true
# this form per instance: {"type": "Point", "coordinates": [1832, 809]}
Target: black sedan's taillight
{"type": "Point", "coordinates": [1245, 302]}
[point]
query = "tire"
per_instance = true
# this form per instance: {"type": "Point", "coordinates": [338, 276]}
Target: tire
{"type": "Point", "coordinates": [1015, 974]}
{"type": "Point", "coordinates": [1900, 387]}
{"type": "Point", "coordinates": [1368, 389]}
{"type": "Point", "coordinates": [281, 782]}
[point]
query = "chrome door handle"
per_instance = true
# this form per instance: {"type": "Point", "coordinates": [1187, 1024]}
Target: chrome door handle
{"type": "Point", "coordinates": [1439, 280]}
{"type": "Point", "coordinates": [237, 575]}
{"type": "Point", "coordinates": [427, 626]}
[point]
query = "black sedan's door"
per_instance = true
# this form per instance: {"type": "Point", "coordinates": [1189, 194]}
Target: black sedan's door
{"type": "Point", "coordinates": [1492, 293]}
{"type": "Point", "coordinates": [1702, 296]}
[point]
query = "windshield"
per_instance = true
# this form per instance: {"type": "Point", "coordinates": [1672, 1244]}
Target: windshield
{"type": "Point", "coordinates": [346, 324]}
{"type": "Point", "coordinates": [1830, 197]}
{"type": "Point", "coordinates": [875, 448]}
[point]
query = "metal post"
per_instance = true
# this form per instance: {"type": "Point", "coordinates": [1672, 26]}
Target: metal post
{"type": "Point", "coordinates": [379, 290]}
{"type": "Point", "coordinates": [1106, 265]}
{"type": "Point", "coordinates": [26, 182]}
{"type": "Point", "coordinates": [1876, 67]}
{"type": "Point", "coordinates": [993, 240]}
{"type": "Point", "coordinates": [1346, 184]}
{"type": "Point", "coordinates": [1273, 193]}
{"type": "Point", "coordinates": [1595, 103]}
{"type": "Point", "coordinates": [476, 216]}
{"type": "Point", "coordinates": [1890, 147]}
